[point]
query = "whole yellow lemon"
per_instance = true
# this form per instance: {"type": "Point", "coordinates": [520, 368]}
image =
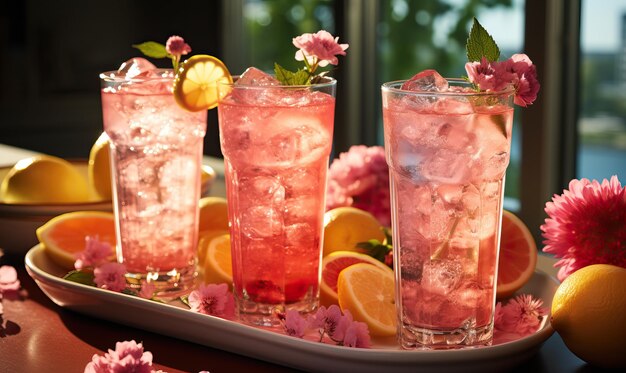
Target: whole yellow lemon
{"type": "Point", "coordinates": [344, 227]}
{"type": "Point", "coordinates": [44, 179]}
{"type": "Point", "coordinates": [589, 313]}
{"type": "Point", "coordinates": [99, 168]}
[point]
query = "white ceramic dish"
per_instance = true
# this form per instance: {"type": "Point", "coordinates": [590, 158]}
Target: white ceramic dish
{"type": "Point", "coordinates": [176, 321]}
{"type": "Point", "coordinates": [19, 221]}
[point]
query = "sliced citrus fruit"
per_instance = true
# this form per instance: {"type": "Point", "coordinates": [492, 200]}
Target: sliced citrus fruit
{"type": "Point", "coordinates": [344, 227]}
{"type": "Point", "coordinates": [204, 238]}
{"type": "Point", "coordinates": [367, 291]}
{"type": "Point", "coordinates": [332, 265]}
{"type": "Point", "coordinates": [99, 168]}
{"type": "Point", "coordinates": [64, 235]}
{"type": "Point", "coordinates": [518, 256]}
{"type": "Point", "coordinates": [218, 262]}
{"type": "Point", "coordinates": [213, 214]}
{"type": "Point", "coordinates": [195, 86]}
{"type": "Point", "coordinates": [44, 179]}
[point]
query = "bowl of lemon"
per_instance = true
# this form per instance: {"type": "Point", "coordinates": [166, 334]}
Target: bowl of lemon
{"type": "Point", "coordinates": [38, 188]}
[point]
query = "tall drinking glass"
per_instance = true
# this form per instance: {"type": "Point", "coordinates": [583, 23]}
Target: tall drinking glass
{"type": "Point", "coordinates": [156, 158]}
{"type": "Point", "coordinates": [276, 142]}
{"type": "Point", "coordinates": [447, 154]}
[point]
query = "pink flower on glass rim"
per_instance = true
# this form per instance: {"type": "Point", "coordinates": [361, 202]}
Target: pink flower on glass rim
{"type": "Point", "coordinates": [360, 178]}
{"type": "Point", "coordinates": [586, 225]}
{"type": "Point", "coordinates": [212, 299]}
{"type": "Point", "coordinates": [521, 315]}
{"type": "Point", "coordinates": [517, 71]}
{"type": "Point", "coordinates": [110, 276]}
{"type": "Point", "coordinates": [8, 280]}
{"type": "Point", "coordinates": [319, 48]}
{"type": "Point", "coordinates": [128, 356]}
{"type": "Point", "coordinates": [95, 253]}
{"type": "Point", "coordinates": [176, 46]}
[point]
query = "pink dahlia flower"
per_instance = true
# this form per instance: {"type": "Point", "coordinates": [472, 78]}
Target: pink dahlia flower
{"type": "Point", "coordinates": [320, 48]}
{"type": "Point", "coordinates": [587, 225]}
{"type": "Point", "coordinates": [360, 178]}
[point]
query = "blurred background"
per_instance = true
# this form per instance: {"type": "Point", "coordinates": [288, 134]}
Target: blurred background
{"type": "Point", "coordinates": [52, 53]}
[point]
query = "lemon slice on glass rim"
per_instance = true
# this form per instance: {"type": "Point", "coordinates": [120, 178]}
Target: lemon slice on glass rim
{"type": "Point", "coordinates": [195, 85]}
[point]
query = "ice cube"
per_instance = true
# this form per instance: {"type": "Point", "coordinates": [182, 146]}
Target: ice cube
{"type": "Point", "coordinates": [261, 222]}
{"type": "Point", "coordinates": [426, 81]}
{"type": "Point", "coordinates": [447, 166]}
{"type": "Point", "coordinates": [256, 77]}
{"type": "Point", "coordinates": [134, 67]}
{"type": "Point", "coordinates": [441, 277]}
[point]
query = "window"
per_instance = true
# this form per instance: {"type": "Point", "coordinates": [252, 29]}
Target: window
{"type": "Point", "coordinates": [602, 111]}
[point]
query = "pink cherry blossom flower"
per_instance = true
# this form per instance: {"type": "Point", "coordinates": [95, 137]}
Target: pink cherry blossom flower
{"type": "Point", "coordinates": [176, 46]}
{"type": "Point", "coordinates": [360, 178]}
{"type": "Point", "coordinates": [8, 280]}
{"type": "Point", "coordinates": [147, 290]}
{"type": "Point", "coordinates": [327, 321]}
{"type": "Point", "coordinates": [294, 324]}
{"type": "Point", "coordinates": [586, 225]}
{"type": "Point", "coordinates": [319, 49]}
{"type": "Point", "coordinates": [521, 315]}
{"type": "Point", "coordinates": [129, 356]}
{"type": "Point", "coordinates": [110, 276]}
{"type": "Point", "coordinates": [357, 335]}
{"type": "Point", "coordinates": [213, 300]}
{"type": "Point", "coordinates": [96, 252]}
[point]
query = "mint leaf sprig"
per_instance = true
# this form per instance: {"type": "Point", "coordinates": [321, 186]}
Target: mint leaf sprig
{"type": "Point", "coordinates": [173, 49]}
{"type": "Point", "coordinates": [376, 249]}
{"type": "Point", "coordinates": [480, 44]}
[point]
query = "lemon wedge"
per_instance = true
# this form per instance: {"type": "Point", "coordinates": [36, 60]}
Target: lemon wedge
{"type": "Point", "coordinates": [195, 86]}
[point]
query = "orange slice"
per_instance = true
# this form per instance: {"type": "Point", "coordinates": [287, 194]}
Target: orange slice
{"type": "Point", "coordinates": [195, 86]}
{"type": "Point", "coordinates": [367, 291]}
{"type": "Point", "coordinates": [518, 256]}
{"type": "Point", "coordinates": [205, 238]}
{"type": "Point", "coordinates": [332, 265]}
{"type": "Point", "coordinates": [64, 235]}
{"type": "Point", "coordinates": [213, 214]}
{"type": "Point", "coordinates": [218, 262]}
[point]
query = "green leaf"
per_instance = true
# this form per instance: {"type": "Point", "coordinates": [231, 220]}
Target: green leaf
{"type": "Point", "coordinates": [286, 77]}
{"type": "Point", "coordinates": [130, 292]}
{"type": "Point", "coordinates": [185, 300]}
{"type": "Point", "coordinates": [152, 49]}
{"type": "Point", "coordinates": [480, 44]}
{"type": "Point", "coordinates": [81, 277]}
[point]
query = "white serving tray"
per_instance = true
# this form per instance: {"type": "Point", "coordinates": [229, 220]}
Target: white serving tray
{"type": "Point", "coordinates": [176, 321]}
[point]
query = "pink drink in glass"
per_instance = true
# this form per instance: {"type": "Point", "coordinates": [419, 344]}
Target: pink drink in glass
{"type": "Point", "coordinates": [276, 143]}
{"type": "Point", "coordinates": [447, 153]}
{"type": "Point", "coordinates": [156, 158]}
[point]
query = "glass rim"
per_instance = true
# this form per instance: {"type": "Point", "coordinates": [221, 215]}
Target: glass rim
{"type": "Point", "coordinates": [331, 82]}
{"type": "Point", "coordinates": [112, 77]}
{"type": "Point", "coordinates": [394, 86]}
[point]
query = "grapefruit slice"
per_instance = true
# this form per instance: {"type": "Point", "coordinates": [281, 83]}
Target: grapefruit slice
{"type": "Point", "coordinates": [367, 291]}
{"type": "Point", "coordinates": [518, 256]}
{"type": "Point", "coordinates": [64, 236]}
{"type": "Point", "coordinates": [332, 265]}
